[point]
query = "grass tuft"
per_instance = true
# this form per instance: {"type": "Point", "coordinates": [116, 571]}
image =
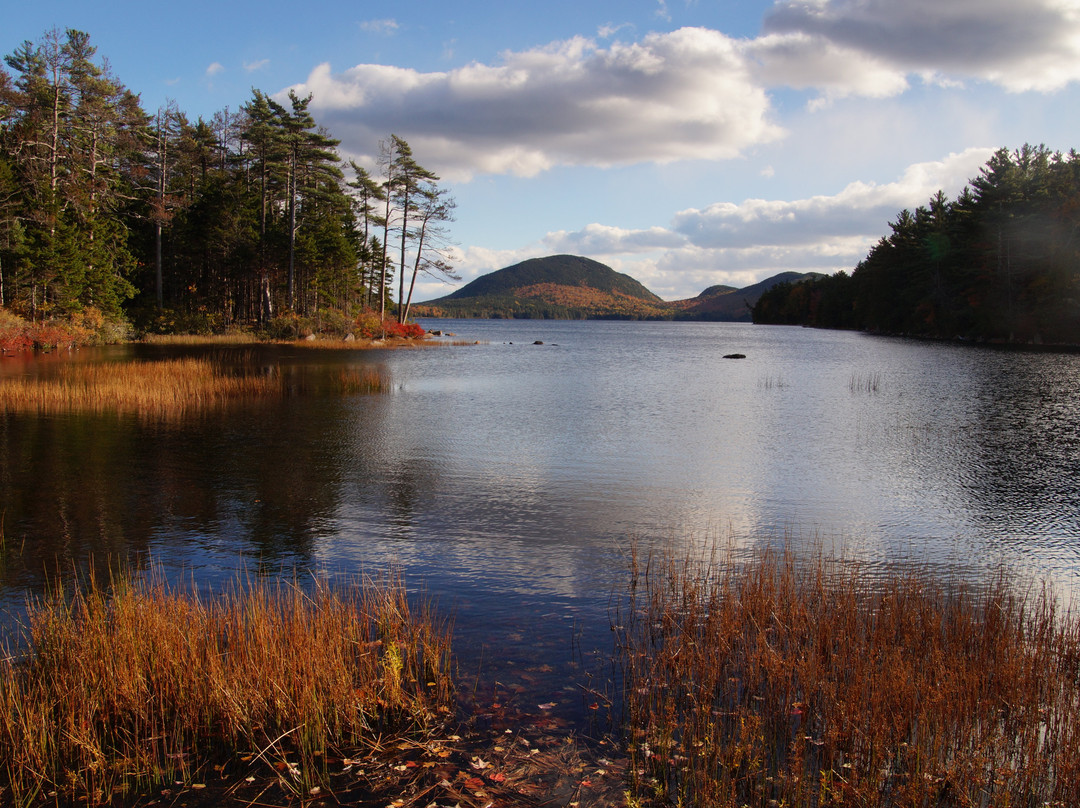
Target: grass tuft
{"type": "Point", "coordinates": [152, 389]}
{"type": "Point", "coordinates": [143, 684]}
{"type": "Point", "coordinates": [779, 682]}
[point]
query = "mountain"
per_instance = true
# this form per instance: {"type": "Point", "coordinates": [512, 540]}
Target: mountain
{"type": "Point", "coordinates": [561, 287]}
{"type": "Point", "coordinates": [569, 287]}
{"type": "Point", "coordinates": [727, 304]}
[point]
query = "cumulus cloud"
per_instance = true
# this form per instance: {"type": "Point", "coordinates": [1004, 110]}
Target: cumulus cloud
{"type": "Point", "coordinates": [741, 243]}
{"type": "Point", "coordinates": [1031, 45]}
{"type": "Point", "coordinates": [687, 94]}
{"type": "Point", "coordinates": [861, 210]}
{"type": "Point", "coordinates": [214, 69]}
{"type": "Point", "coordinates": [692, 93]}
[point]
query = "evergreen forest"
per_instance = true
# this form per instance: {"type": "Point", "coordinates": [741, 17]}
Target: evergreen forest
{"type": "Point", "coordinates": [1000, 263]}
{"type": "Point", "coordinates": [251, 218]}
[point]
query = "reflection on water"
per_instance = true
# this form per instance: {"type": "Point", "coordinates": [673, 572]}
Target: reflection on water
{"type": "Point", "coordinates": [508, 477]}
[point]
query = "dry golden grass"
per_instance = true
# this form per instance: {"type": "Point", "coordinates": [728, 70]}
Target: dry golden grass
{"type": "Point", "coordinates": [143, 684]}
{"type": "Point", "coordinates": [777, 682]}
{"type": "Point", "coordinates": [153, 389]}
{"type": "Point", "coordinates": [230, 338]}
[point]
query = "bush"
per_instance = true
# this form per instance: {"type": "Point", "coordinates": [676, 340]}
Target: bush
{"type": "Point", "coordinates": [404, 330]}
{"type": "Point", "coordinates": [369, 325]}
{"type": "Point", "coordinates": [14, 333]}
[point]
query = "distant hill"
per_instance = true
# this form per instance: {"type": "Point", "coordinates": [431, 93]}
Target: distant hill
{"type": "Point", "coordinates": [727, 304]}
{"type": "Point", "coordinates": [564, 287]}
{"type": "Point", "coordinates": [569, 287]}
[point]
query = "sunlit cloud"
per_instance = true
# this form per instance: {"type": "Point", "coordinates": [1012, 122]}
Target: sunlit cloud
{"type": "Point", "coordinates": [692, 93]}
{"type": "Point", "coordinates": [681, 95]}
{"type": "Point", "coordinates": [741, 243]}
{"type": "Point", "coordinates": [251, 67]}
{"type": "Point", "coordinates": [1031, 45]}
{"type": "Point", "coordinates": [860, 210]}
{"type": "Point", "coordinates": [214, 69]}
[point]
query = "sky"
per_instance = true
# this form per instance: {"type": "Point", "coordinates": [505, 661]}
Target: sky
{"type": "Point", "coordinates": [686, 143]}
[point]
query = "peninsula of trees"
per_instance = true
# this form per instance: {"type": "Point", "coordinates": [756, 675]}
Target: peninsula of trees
{"type": "Point", "coordinates": [250, 217]}
{"type": "Point", "coordinates": [999, 263]}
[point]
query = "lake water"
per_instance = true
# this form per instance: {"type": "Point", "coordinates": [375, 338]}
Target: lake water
{"type": "Point", "coordinates": [508, 479]}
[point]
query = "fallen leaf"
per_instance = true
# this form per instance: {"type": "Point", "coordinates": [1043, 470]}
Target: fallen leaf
{"type": "Point", "coordinates": [547, 706]}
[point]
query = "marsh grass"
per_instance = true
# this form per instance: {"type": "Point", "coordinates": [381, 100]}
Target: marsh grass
{"type": "Point", "coordinates": [159, 388]}
{"type": "Point", "coordinates": [781, 682]}
{"type": "Point", "coordinates": [865, 383]}
{"type": "Point", "coordinates": [203, 340]}
{"type": "Point", "coordinates": [137, 684]}
{"type": "Point", "coordinates": [366, 380]}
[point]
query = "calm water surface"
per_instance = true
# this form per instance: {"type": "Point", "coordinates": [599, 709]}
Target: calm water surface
{"type": "Point", "coordinates": [508, 478]}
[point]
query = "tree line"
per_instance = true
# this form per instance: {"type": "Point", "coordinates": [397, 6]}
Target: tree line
{"type": "Point", "coordinates": [237, 220]}
{"type": "Point", "coordinates": [1001, 262]}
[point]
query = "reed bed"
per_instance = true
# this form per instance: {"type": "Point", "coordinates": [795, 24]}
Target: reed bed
{"type": "Point", "coordinates": [366, 380]}
{"type": "Point", "coordinates": [144, 684]}
{"type": "Point", "coordinates": [775, 682]}
{"type": "Point", "coordinates": [164, 388]}
{"type": "Point", "coordinates": [203, 340]}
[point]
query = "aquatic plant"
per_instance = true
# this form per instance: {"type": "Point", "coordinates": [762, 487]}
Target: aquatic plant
{"type": "Point", "coordinates": [122, 688]}
{"type": "Point", "coordinates": [865, 383]}
{"type": "Point", "coordinates": [160, 388]}
{"type": "Point", "coordinates": [773, 681]}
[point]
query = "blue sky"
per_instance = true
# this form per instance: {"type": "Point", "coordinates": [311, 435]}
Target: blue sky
{"type": "Point", "coordinates": [685, 142]}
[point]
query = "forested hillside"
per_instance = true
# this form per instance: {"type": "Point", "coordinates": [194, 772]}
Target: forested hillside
{"type": "Point", "coordinates": [563, 287]}
{"type": "Point", "coordinates": [1001, 262]}
{"type": "Point", "coordinates": [570, 287]}
{"type": "Point", "coordinates": [111, 210]}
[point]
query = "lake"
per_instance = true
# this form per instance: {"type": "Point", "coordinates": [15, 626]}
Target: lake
{"type": "Point", "coordinates": [508, 479]}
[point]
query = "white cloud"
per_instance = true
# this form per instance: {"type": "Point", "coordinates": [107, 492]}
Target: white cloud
{"type": "Point", "coordinates": [860, 210]}
{"type": "Point", "coordinates": [214, 69]}
{"type": "Point", "coordinates": [811, 63]}
{"type": "Point", "coordinates": [598, 239]}
{"type": "Point", "coordinates": [692, 93]}
{"type": "Point", "coordinates": [383, 27]}
{"type": "Point", "coordinates": [251, 67]}
{"type": "Point", "coordinates": [740, 244]}
{"type": "Point", "coordinates": [1029, 45]}
{"type": "Point", "coordinates": [687, 94]}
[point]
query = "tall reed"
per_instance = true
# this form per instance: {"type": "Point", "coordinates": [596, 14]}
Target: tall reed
{"type": "Point", "coordinates": [119, 690]}
{"type": "Point", "coordinates": [155, 389]}
{"type": "Point", "coordinates": [775, 682]}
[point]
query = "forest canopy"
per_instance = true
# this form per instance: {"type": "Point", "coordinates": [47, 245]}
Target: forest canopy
{"type": "Point", "coordinates": [1001, 262]}
{"type": "Point", "coordinates": [196, 225]}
